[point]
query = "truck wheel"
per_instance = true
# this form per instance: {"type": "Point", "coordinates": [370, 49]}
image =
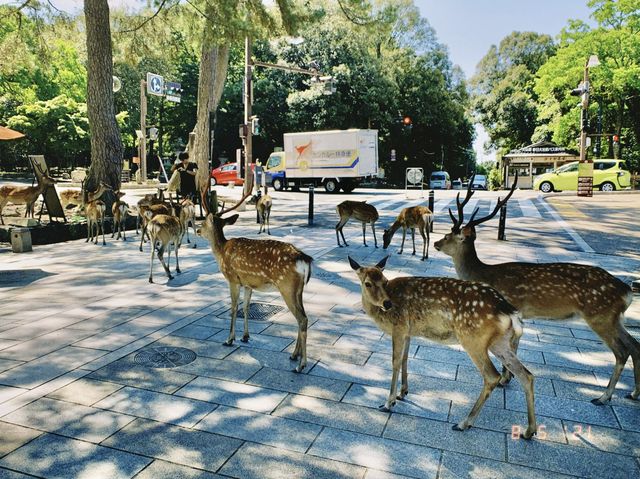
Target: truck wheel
{"type": "Point", "coordinates": [277, 184]}
{"type": "Point", "coordinates": [331, 186]}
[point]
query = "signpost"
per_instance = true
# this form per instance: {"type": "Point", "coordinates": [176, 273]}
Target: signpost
{"type": "Point", "coordinates": [155, 84]}
{"type": "Point", "coordinates": [413, 179]}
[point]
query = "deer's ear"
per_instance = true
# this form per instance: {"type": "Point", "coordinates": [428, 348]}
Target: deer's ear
{"type": "Point", "coordinates": [468, 232]}
{"type": "Point", "coordinates": [231, 219]}
{"type": "Point", "coordinates": [382, 263]}
{"type": "Point", "coordinates": [354, 265]}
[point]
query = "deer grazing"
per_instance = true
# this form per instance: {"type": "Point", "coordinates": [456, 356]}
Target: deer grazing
{"type": "Point", "coordinates": [448, 311]}
{"type": "Point", "coordinates": [164, 231]}
{"type": "Point", "coordinates": [24, 195]}
{"type": "Point", "coordinates": [413, 217]}
{"type": "Point", "coordinates": [76, 197]}
{"type": "Point", "coordinates": [550, 290]}
{"type": "Point", "coordinates": [119, 209]}
{"type": "Point", "coordinates": [263, 265]}
{"type": "Point", "coordinates": [361, 211]}
{"type": "Point", "coordinates": [263, 207]}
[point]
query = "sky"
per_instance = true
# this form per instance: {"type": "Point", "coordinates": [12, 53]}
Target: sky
{"type": "Point", "coordinates": [467, 27]}
{"type": "Point", "coordinates": [470, 27]}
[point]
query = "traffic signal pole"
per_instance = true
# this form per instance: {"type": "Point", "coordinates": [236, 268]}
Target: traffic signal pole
{"type": "Point", "coordinates": [248, 151]}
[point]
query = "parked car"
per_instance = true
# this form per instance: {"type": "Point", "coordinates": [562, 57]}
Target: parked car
{"type": "Point", "coordinates": [608, 175]}
{"type": "Point", "coordinates": [479, 182]}
{"type": "Point", "coordinates": [440, 180]}
{"type": "Point", "coordinates": [226, 174]}
{"type": "Point", "coordinates": [456, 184]}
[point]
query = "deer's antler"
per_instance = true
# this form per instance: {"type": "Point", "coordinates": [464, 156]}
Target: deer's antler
{"type": "Point", "coordinates": [473, 222]}
{"type": "Point", "coordinates": [242, 200]}
{"type": "Point", "coordinates": [458, 223]}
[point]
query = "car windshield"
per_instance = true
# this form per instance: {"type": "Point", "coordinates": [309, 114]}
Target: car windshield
{"type": "Point", "coordinates": [437, 177]}
{"type": "Point", "coordinates": [479, 178]}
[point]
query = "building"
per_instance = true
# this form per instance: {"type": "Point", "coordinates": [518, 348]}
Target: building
{"type": "Point", "coordinates": [533, 160]}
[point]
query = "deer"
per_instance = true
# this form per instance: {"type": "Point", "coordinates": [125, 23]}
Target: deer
{"type": "Point", "coordinates": [164, 231]}
{"type": "Point", "coordinates": [449, 311]}
{"type": "Point", "coordinates": [262, 265]}
{"type": "Point", "coordinates": [24, 195]}
{"type": "Point", "coordinates": [554, 291]}
{"type": "Point", "coordinates": [187, 215]}
{"type": "Point", "coordinates": [147, 212]}
{"type": "Point", "coordinates": [94, 212]}
{"type": "Point", "coordinates": [361, 211]}
{"type": "Point", "coordinates": [119, 209]}
{"type": "Point", "coordinates": [148, 200]}
{"type": "Point", "coordinates": [413, 217]}
{"type": "Point", "coordinates": [76, 197]}
{"type": "Point", "coordinates": [263, 207]}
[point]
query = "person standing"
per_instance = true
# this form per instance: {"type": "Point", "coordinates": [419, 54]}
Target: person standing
{"type": "Point", "coordinates": [188, 173]}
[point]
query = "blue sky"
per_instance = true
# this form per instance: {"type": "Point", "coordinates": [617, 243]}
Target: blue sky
{"type": "Point", "coordinates": [470, 27]}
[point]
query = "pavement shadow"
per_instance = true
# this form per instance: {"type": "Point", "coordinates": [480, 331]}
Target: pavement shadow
{"type": "Point", "coordinates": [21, 277]}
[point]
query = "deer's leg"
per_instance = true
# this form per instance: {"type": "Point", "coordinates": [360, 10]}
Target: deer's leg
{"type": "Point", "coordinates": [268, 222]}
{"type": "Point", "coordinates": [404, 235]}
{"type": "Point", "coordinates": [89, 231]}
{"type": "Point", "coordinates": [373, 229]}
{"type": "Point", "coordinates": [398, 342]}
{"type": "Point", "coordinates": [137, 223]}
{"type": "Point", "coordinates": [153, 251]}
{"type": "Point", "coordinates": [413, 239]}
{"type": "Point", "coordinates": [503, 350]}
{"type": "Point", "coordinates": [425, 243]}
{"type": "Point", "coordinates": [293, 300]}
{"type": "Point", "coordinates": [261, 217]}
{"type": "Point", "coordinates": [161, 257]}
{"type": "Point", "coordinates": [364, 238]}
{"type": "Point", "coordinates": [235, 295]}
{"type": "Point", "coordinates": [116, 225]}
{"type": "Point", "coordinates": [507, 375]}
{"type": "Point", "coordinates": [102, 228]}
{"type": "Point", "coordinates": [339, 227]}
{"type": "Point", "coordinates": [144, 230]}
{"type": "Point", "coordinates": [177, 247]}
{"type": "Point", "coordinates": [404, 390]}
{"type": "Point", "coordinates": [245, 310]}
{"type": "Point", "coordinates": [480, 357]}
{"type": "Point", "coordinates": [123, 227]}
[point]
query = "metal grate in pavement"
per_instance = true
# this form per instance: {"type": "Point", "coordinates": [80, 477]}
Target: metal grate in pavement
{"type": "Point", "coordinates": [257, 311]}
{"type": "Point", "coordinates": [164, 357]}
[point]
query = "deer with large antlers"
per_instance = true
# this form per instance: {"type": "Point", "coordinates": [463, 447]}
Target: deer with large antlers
{"type": "Point", "coordinates": [24, 195]}
{"type": "Point", "coordinates": [448, 311]}
{"type": "Point", "coordinates": [413, 217]}
{"type": "Point", "coordinates": [361, 211]}
{"type": "Point", "coordinates": [263, 265]}
{"type": "Point", "coordinates": [550, 290]}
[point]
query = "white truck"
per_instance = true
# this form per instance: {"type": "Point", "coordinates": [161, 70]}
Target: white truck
{"type": "Point", "coordinates": [335, 159]}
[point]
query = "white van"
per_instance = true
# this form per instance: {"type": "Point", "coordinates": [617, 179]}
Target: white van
{"type": "Point", "coordinates": [440, 180]}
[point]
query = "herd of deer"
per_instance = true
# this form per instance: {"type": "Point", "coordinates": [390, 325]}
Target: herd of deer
{"type": "Point", "coordinates": [481, 311]}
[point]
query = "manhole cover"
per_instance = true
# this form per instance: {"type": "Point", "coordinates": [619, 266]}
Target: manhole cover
{"type": "Point", "coordinates": [257, 311]}
{"type": "Point", "coordinates": [164, 357]}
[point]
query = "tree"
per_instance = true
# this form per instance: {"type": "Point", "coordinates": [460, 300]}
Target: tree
{"type": "Point", "coordinates": [106, 143]}
{"type": "Point", "coordinates": [504, 100]}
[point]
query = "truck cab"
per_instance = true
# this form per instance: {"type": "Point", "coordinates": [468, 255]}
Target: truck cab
{"type": "Point", "coordinates": [274, 170]}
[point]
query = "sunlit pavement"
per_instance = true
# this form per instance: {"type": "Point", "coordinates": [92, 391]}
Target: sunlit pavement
{"type": "Point", "coordinates": [77, 322]}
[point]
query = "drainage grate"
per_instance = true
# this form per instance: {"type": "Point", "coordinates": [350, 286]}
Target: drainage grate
{"type": "Point", "coordinates": [257, 311]}
{"type": "Point", "coordinates": [164, 357]}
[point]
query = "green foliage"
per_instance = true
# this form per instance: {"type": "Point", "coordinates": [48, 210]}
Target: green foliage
{"type": "Point", "coordinates": [494, 179]}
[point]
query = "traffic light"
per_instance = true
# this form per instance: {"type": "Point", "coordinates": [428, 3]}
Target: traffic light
{"type": "Point", "coordinates": [407, 123]}
{"type": "Point", "coordinates": [616, 139]}
{"type": "Point", "coordinates": [583, 92]}
{"type": "Point", "coordinates": [255, 125]}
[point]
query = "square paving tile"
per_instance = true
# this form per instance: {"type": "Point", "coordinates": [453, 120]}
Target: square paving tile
{"type": "Point", "coordinates": [300, 383]}
{"type": "Point", "coordinates": [166, 470]}
{"type": "Point", "coordinates": [85, 391]}
{"type": "Point", "coordinates": [14, 436]}
{"type": "Point", "coordinates": [56, 457]}
{"type": "Point", "coordinates": [175, 444]}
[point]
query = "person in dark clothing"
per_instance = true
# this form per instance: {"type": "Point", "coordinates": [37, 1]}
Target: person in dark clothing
{"type": "Point", "coordinates": [187, 172]}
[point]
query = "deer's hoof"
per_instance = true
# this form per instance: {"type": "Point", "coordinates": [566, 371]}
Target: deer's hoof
{"type": "Point", "coordinates": [293, 357]}
{"type": "Point", "coordinates": [179, 271]}
{"type": "Point", "coordinates": [384, 408]}
{"type": "Point", "coordinates": [150, 280]}
{"type": "Point", "coordinates": [228, 342]}
{"type": "Point", "coordinates": [528, 435]}
{"type": "Point", "coordinates": [630, 396]}
{"type": "Point", "coordinates": [457, 427]}
{"type": "Point", "coordinates": [245, 339]}
{"type": "Point", "coordinates": [599, 402]}
{"type": "Point", "coordinates": [402, 395]}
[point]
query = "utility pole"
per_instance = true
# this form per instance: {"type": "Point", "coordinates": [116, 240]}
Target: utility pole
{"type": "Point", "coordinates": [248, 151]}
{"type": "Point", "coordinates": [585, 166]}
{"type": "Point", "coordinates": [142, 141]}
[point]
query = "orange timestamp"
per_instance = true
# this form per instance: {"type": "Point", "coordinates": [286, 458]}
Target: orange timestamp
{"type": "Point", "coordinates": [579, 430]}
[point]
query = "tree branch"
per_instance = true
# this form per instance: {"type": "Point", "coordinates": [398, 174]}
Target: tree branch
{"type": "Point", "coordinates": [147, 20]}
{"type": "Point", "coordinates": [352, 18]}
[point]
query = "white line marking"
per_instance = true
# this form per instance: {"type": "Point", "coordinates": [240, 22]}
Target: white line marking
{"type": "Point", "coordinates": [575, 236]}
{"type": "Point", "coordinates": [528, 208]}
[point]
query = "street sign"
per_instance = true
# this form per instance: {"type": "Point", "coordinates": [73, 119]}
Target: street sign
{"type": "Point", "coordinates": [155, 84]}
{"type": "Point", "coordinates": [172, 91]}
{"type": "Point", "coordinates": [414, 175]}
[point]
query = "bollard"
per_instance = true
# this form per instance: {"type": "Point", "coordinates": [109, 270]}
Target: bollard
{"type": "Point", "coordinates": [502, 223]}
{"type": "Point", "coordinates": [310, 221]}
{"type": "Point", "coordinates": [431, 207]}
{"type": "Point", "coordinates": [20, 240]}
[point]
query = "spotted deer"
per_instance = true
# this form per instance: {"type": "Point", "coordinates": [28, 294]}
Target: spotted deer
{"type": "Point", "coordinates": [448, 311]}
{"type": "Point", "coordinates": [119, 209]}
{"type": "Point", "coordinates": [164, 231]}
{"type": "Point", "coordinates": [263, 207]}
{"type": "Point", "coordinates": [360, 211]}
{"type": "Point", "coordinates": [413, 217]}
{"type": "Point", "coordinates": [553, 291]}
{"type": "Point", "coordinates": [262, 265]}
{"type": "Point", "coordinates": [24, 195]}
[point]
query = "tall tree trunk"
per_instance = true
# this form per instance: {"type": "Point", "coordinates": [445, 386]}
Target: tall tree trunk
{"type": "Point", "coordinates": [106, 143]}
{"type": "Point", "coordinates": [213, 72]}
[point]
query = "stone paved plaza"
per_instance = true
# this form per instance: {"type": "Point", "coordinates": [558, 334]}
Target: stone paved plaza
{"type": "Point", "coordinates": [77, 399]}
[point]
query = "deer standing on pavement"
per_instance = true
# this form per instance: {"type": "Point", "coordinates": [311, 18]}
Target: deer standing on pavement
{"type": "Point", "coordinates": [550, 290]}
{"type": "Point", "coordinates": [24, 195]}
{"type": "Point", "coordinates": [146, 201]}
{"type": "Point", "coordinates": [263, 206]}
{"type": "Point", "coordinates": [263, 265]}
{"type": "Point", "coordinates": [147, 212]}
{"type": "Point", "coordinates": [361, 211]}
{"type": "Point", "coordinates": [448, 311]}
{"type": "Point", "coordinates": [119, 210]}
{"type": "Point", "coordinates": [94, 212]}
{"type": "Point", "coordinates": [187, 216]}
{"type": "Point", "coordinates": [413, 217]}
{"type": "Point", "coordinates": [164, 231]}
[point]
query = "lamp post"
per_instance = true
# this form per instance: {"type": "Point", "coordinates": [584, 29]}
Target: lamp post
{"type": "Point", "coordinates": [585, 167]}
